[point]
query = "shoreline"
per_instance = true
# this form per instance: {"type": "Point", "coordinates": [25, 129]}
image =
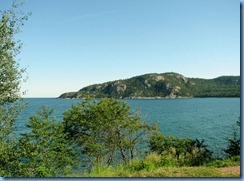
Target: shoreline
{"type": "Point", "coordinates": [146, 98]}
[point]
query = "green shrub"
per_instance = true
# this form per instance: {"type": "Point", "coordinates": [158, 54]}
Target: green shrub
{"type": "Point", "coordinates": [227, 162]}
{"type": "Point", "coordinates": [167, 161]}
{"type": "Point", "coordinates": [107, 131]}
{"type": "Point", "coordinates": [141, 165]}
{"type": "Point", "coordinates": [45, 149]}
{"type": "Point", "coordinates": [154, 159]}
{"type": "Point", "coordinates": [182, 152]}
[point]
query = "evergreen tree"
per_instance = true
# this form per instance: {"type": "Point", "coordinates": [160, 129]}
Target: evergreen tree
{"type": "Point", "coordinates": [234, 142]}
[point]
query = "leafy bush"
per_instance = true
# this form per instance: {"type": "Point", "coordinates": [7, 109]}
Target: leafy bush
{"type": "Point", "coordinates": [106, 130]}
{"type": "Point", "coordinates": [180, 151]}
{"type": "Point", "coordinates": [227, 162]}
{"type": "Point", "coordinates": [155, 165]}
{"type": "Point", "coordinates": [139, 165]}
{"type": "Point", "coordinates": [151, 162]}
{"type": "Point", "coordinates": [44, 151]}
{"type": "Point", "coordinates": [168, 161]}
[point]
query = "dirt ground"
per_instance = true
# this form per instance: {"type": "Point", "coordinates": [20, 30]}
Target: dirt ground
{"type": "Point", "coordinates": [230, 170]}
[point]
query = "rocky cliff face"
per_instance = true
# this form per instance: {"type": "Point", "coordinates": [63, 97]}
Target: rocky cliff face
{"type": "Point", "coordinates": [166, 85]}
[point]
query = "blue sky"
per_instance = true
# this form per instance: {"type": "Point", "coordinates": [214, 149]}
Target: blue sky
{"type": "Point", "coordinates": [69, 44]}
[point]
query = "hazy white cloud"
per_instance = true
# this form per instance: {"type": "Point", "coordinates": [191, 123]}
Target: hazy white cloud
{"type": "Point", "coordinates": [96, 14]}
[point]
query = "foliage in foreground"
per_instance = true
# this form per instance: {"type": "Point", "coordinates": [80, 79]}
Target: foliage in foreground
{"type": "Point", "coordinates": [11, 76]}
{"type": "Point", "coordinates": [234, 142]}
{"type": "Point", "coordinates": [225, 162]}
{"type": "Point", "coordinates": [45, 151]}
{"type": "Point", "coordinates": [179, 151]}
{"type": "Point", "coordinates": [154, 165]}
{"type": "Point", "coordinates": [49, 148]}
{"type": "Point", "coordinates": [106, 131]}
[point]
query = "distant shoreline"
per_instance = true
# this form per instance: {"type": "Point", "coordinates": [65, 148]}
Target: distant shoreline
{"type": "Point", "coordinates": [145, 98]}
{"type": "Point", "coordinates": [161, 86]}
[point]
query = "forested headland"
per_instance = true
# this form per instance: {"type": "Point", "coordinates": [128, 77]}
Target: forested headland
{"type": "Point", "coordinates": [164, 85]}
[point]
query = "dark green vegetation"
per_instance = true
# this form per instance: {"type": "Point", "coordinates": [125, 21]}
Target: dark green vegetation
{"type": "Point", "coordinates": [234, 147]}
{"type": "Point", "coordinates": [166, 85]}
{"type": "Point", "coordinates": [101, 138]}
{"type": "Point", "coordinates": [176, 157]}
{"type": "Point", "coordinates": [107, 132]}
{"type": "Point", "coordinates": [180, 152]}
{"type": "Point", "coordinates": [45, 151]}
{"type": "Point", "coordinates": [10, 78]}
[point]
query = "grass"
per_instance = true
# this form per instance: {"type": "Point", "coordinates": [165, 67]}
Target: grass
{"type": "Point", "coordinates": [157, 172]}
{"type": "Point", "coordinates": [178, 172]}
{"type": "Point", "coordinates": [202, 171]}
{"type": "Point", "coordinates": [156, 166]}
{"type": "Point", "coordinates": [228, 162]}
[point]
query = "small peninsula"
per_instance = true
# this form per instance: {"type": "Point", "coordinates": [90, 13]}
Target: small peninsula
{"type": "Point", "coordinates": [157, 86]}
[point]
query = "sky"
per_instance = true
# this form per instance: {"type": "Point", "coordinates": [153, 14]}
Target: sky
{"type": "Point", "coordinates": [70, 44]}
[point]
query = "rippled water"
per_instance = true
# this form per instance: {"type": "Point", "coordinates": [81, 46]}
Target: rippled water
{"type": "Point", "coordinates": [210, 119]}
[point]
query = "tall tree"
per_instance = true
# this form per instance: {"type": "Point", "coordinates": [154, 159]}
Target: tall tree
{"type": "Point", "coordinates": [107, 131]}
{"type": "Point", "coordinates": [11, 76]}
{"type": "Point", "coordinates": [44, 150]}
{"type": "Point", "coordinates": [234, 142]}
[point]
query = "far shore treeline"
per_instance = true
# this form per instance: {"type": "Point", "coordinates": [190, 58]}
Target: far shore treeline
{"type": "Point", "coordinates": [164, 85]}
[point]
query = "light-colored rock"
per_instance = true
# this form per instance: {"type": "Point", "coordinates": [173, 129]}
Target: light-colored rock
{"type": "Point", "coordinates": [183, 78]}
{"type": "Point", "coordinates": [147, 84]}
{"type": "Point", "coordinates": [177, 89]}
{"type": "Point", "coordinates": [121, 87]}
{"type": "Point", "coordinates": [158, 77]}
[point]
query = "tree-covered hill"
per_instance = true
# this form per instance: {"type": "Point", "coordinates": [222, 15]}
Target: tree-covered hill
{"type": "Point", "coordinates": [165, 85]}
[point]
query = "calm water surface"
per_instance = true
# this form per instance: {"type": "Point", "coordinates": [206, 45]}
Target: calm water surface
{"type": "Point", "coordinates": [210, 119]}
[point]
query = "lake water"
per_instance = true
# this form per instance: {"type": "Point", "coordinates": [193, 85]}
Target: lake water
{"type": "Point", "coordinates": [210, 119]}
